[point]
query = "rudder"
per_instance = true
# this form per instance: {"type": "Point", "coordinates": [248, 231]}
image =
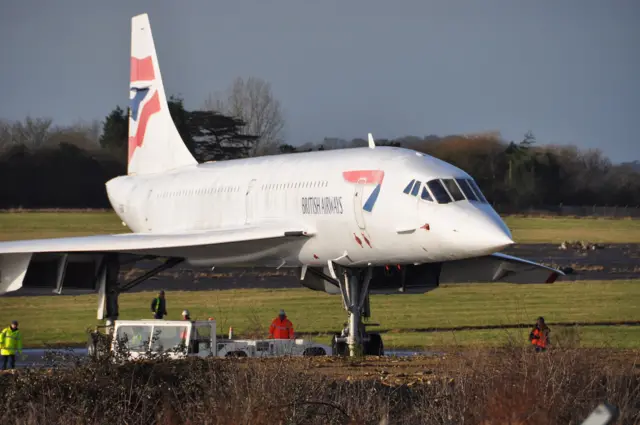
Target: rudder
{"type": "Point", "coordinates": [155, 144]}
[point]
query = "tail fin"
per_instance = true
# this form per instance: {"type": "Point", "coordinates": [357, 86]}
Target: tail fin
{"type": "Point", "coordinates": [154, 142]}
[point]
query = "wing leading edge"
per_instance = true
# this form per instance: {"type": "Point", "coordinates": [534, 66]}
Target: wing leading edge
{"type": "Point", "coordinates": [169, 244]}
{"type": "Point", "coordinates": [245, 244]}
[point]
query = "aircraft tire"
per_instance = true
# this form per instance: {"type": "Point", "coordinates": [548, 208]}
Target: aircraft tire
{"type": "Point", "coordinates": [314, 351]}
{"type": "Point", "coordinates": [374, 347]}
{"type": "Point", "coordinates": [339, 348]}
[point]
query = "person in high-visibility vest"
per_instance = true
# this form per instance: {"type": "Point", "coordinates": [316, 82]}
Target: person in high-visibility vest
{"type": "Point", "coordinates": [159, 306]}
{"type": "Point", "coordinates": [539, 336]}
{"type": "Point", "coordinates": [281, 327]}
{"type": "Point", "coordinates": [10, 343]}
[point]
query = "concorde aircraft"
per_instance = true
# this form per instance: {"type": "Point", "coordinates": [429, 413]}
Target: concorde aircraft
{"type": "Point", "coordinates": [352, 222]}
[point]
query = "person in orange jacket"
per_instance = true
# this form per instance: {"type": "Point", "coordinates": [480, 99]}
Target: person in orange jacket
{"type": "Point", "coordinates": [281, 327]}
{"type": "Point", "coordinates": [539, 336]}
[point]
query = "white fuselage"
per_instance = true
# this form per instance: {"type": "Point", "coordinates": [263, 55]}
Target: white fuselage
{"type": "Point", "coordinates": [311, 189]}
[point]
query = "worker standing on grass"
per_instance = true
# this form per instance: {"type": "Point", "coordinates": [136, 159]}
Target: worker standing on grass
{"type": "Point", "coordinates": [159, 306]}
{"type": "Point", "coordinates": [281, 327]}
{"type": "Point", "coordinates": [10, 342]}
{"type": "Point", "coordinates": [539, 336]}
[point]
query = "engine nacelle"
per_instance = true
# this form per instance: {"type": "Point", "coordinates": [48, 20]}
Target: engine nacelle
{"type": "Point", "coordinates": [46, 273]}
{"type": "Point", "coordinates": [407, 279]}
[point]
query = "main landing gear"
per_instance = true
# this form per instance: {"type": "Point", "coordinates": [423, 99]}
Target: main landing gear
{"type": "Point", "coordinates": [354, 340]}
{"type": "Point", "coordinates": [110, 288]}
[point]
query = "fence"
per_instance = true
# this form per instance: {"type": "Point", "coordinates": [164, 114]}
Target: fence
{"type": "Point", "coordinates": [572, 211]}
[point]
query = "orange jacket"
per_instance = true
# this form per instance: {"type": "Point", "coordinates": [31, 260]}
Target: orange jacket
{"type": "Point", "coordinates": [539, 336]}
{"type": "Point", "coordinates": [281, 329]}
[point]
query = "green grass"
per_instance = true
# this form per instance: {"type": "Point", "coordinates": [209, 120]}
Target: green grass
{"type": "Point", "coordinates": [619, 337]}
{"type": "Point", "coordinates": [556, 230]}
{"type": "Point", "coordinates": [64, 319]}
{"type": "Point", "coordinates": [34, 225]}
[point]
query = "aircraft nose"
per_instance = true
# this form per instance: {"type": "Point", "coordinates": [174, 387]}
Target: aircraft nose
{"type": "Point", "coordinates": [487, 233]}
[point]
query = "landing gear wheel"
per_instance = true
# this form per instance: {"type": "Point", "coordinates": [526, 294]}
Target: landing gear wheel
{"type": "Point", "coordinates": [374, 347]}
{"type": "Point", "coordinates": [97, 345]}
{"type": "Point", "coordinates": [339, 348]}
{"type": "Point", "coordinates": [91, 347]}
{"type": "Point", "coordinates": [314, 351]}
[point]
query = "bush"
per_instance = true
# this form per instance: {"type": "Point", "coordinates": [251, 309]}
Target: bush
{"type": "Point", "coordinates": [502, 386]}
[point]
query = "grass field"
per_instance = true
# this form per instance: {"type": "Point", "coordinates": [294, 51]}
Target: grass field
{"type": "Point", "coordinates": [64, 319]}
{"type": "Point", "coordinates": [33, 225]}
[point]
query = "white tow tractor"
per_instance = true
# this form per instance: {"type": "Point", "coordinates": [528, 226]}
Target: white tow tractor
{"type": "Point", "coordinates": [179, 339]}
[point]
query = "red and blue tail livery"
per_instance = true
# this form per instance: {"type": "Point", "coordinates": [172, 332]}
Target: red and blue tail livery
{"type": "Point", "coordinates": [143, 105]}
{"type": "Point", "coordinates": [154, 142]}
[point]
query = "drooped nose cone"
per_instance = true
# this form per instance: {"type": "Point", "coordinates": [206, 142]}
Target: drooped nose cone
{"type": "Point", "coordinates": [476, 231]}
{"type": "Point", "coordinates": [487, 232]}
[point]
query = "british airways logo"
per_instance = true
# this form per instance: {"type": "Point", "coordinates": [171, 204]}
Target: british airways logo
{"type": "Point", "coordinates": [143, 105]}
{"type": "Point", "coordinates": [322, 205]}
{"type": "Point", "coordinates": [366, 177]}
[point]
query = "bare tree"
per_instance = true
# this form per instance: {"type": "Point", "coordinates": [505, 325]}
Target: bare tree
{"type": "Point", "coordinates": [32, 133]}
{"type": "Point", "coordinates": [5, 134]}
{"type": "Point", "coordinates": [253, 102]}
{"type": "Point", "coordinates": [85, 135]}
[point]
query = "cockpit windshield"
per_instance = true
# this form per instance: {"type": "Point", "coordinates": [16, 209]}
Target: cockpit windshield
{"type": "Point", "coordinates": [445, 191]}
{"type": "Point", "coordinates": [477, 191]}
{"type": "Point", "coordinates": [467, 190]}
{"type": "Point", "coordinates": [453, 189]}
{"type": "Point", "coordinates": [426, 195]}
{"type": "Point", "coordinates": [409, 186]}
{"type": "Point", "coordinates": [439, 192]}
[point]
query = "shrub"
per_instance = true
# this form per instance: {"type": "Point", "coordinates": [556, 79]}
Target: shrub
{"type": "Point", "coordinates": [512, 385]}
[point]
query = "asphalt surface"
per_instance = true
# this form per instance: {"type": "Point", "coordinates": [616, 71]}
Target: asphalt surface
{"type": "Point", "coordinates": [611, 262]}
{"type": "Point", "coordinates": [608, 262]}
{"type": "Point", "coordinates": [39, 358]}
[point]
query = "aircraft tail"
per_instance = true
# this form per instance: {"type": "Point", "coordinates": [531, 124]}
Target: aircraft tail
{"type": "Point", "coordinates": [154, 142]}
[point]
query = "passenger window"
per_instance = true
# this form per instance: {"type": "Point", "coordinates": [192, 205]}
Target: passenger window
{"type": "Point", "coordinates": [439, 192]}
{"type": "Point", "coordinates": [466, 189]}
{"type": "Point", "coordinates": [409, 186]}
{"type": "Point", "coordinates": [416, 188]}
{"type": "Point", "coordinates": [477, 190]}
{"type": "Point", "coordinates": [426, 195]}
{"type": "Point", "coordinates": [453, 189]}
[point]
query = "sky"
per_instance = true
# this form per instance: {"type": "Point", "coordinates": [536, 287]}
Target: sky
{"type": "Point", "coordinates": [567, 70]}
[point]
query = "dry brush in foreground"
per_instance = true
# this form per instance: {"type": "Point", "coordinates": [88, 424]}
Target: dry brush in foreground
{"type": "Point", "coordinates": [503, 386]}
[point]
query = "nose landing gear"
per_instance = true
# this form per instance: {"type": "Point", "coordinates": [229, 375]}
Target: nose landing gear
{"type": "Point", "coordinates": [354, 339]}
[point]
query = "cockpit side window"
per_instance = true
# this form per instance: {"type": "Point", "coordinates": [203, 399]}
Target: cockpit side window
{"type": "Point", "coordinates": [467, 190]}
{"type": "Point", "coordinates": [425, 195]}
{"type": "Point", "coordinates": [439, 192]}
{"type": "Point", "coordinates": [409, 186]}
{"type": "Point", "coordinates": [453, 189]}
{"type": "Point", "coordinates": [477, 190]}
{"type": "Point", "coordinates": [416, 188]}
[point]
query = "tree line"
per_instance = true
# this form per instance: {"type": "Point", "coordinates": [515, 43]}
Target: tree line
{"type": "Point", "coordinates": [522, 173]}
{"type": "Point", "coordinates": [43, 165]}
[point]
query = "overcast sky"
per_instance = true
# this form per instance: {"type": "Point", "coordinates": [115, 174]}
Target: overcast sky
{"type": "Point", "coordinates": [567, 70]}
